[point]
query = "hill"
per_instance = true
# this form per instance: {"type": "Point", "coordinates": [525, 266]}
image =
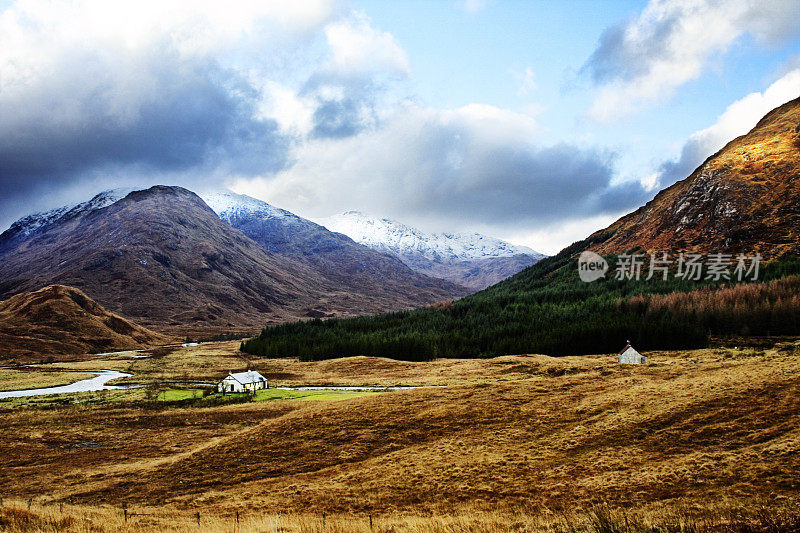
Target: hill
{"type": "Point", "coordinates": [731, 204]}
{"type": "Point", "coordinates": [470, 259]}
{"type": "Point", "coordinates": [742, 199]}
{"type": "Point", "coordinates": [163, 258]}
{"type": "Point", "coordinates": [59, 321]}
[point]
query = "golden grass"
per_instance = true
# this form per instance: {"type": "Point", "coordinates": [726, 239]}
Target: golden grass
{"type": "Point", "coordinates": [19, 516]}
{"type": "Point", "coordinates": [527, 436]}
{"type": "Point", "coordinates": [210, 362]}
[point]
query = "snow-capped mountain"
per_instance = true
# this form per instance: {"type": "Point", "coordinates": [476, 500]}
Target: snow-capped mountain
{"type": "Point", "coordinates": [356, 267]}
{"type": "Point", "coordinates": [398, 238]}
{"type": "Point", "coordinates": [31, 223]}
{"type": "Point", "coordinates": [25, 227]}
{"type": "Point", "coordinates": [469, 259]}
{"type": "Point", "coordinates": [230, 206]}
{"type": "Point", "coordinates": [162, 257]}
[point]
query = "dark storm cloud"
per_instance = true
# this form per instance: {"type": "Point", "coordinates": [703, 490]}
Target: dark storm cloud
{"type": "Point", "coordinates": [502, 186]}
{"type": "Point", "coordinates": [196, 118]}
{"type": "Point", "coordinates": [345, 102]}
{"type": "Point", "coordinates": [81, 120]}
{"type": "Point", "coordinates": [693, 153]}
{"type": "Point", "coordinates": [474, 165]}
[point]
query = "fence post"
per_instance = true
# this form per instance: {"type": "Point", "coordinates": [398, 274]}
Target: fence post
{"type": "Point", "coordinates": [30, 501]}
{"type": "Point", "coordinates": [125, 513]}
{"type": "Point", "coordinates": [370, 519]}
{"type": "Point", "coordinates": [198, 518]}
{"type": "Point", "coordinates": [323, 518]}
{"type": "Point", "coordinates": [237, 518]}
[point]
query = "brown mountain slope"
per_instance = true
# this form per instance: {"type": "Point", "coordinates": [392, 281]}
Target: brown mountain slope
{"type": "Point", "coordinates": [163, 258]}
{"type": "Point", "coordinates": [58, 320]}
{"type": "Point", "coordinates": [744, 198]}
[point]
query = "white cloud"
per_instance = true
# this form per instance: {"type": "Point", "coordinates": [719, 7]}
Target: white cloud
{"type": "Point", "coordinates": [552, 238]}
{"type": "Point", "coordinates": [742, 115]}
{"type": "Point", "coordinates": [357, 48]}
{"type": "Point", "coordinates": [294, 113]}
{"type": "Point", "coordinates": [446, 169]}
{"type": "Point", "coordinates": [671, 42]}
{"type": "Point", "coordinates": [74, 57]}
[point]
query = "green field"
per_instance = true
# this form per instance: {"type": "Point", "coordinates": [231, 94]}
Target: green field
{"type": "Point", "coordinates": [307, 395]}
{"type": "Point", "coordinates": [172, 395]}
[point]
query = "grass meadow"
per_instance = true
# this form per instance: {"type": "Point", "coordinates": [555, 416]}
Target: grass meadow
{"type": "Point", "coordinates": [699, 440]}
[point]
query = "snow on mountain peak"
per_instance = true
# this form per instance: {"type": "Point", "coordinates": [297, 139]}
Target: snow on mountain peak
{"type": "Point", "coordinates": [390, 236]}
{"type": "Point", "coordinates": [31, 223]}
{"type": "Point", "coordinates": [228, 205]}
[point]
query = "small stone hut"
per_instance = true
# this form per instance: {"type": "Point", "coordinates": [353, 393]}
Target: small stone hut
{"type": "Point", "coordinates": [629, 356]}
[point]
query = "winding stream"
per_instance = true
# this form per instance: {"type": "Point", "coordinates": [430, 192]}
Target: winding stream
{"type": "Point", "coordinates": [96, 383]}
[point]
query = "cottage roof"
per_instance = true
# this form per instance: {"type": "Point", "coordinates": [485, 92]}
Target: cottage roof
{"type": "Point", "coordinates": [628, 347]}
{"type": "Point", "coordinates": [251, 376]}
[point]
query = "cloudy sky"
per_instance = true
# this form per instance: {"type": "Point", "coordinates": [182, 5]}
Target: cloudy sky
{"type": "Point", "coordinates": [538, 122]}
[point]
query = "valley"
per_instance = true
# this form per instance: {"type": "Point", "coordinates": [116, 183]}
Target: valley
{"type": "Point", "coordinates": [276, 267]}
{"type": "Point", "coordinates": [519, 442]}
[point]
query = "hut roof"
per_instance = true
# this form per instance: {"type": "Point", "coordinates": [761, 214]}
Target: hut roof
{"type": "Point", "coordinates": [251, 376]}
{"type": "Point", "coordinates": [625, 349]}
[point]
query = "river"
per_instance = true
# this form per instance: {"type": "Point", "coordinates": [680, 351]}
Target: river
{"type": "Point", "coordinates": [96, 383]}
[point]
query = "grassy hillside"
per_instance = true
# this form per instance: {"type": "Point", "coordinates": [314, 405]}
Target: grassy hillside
{"type": "Point", "coordinates": [547, 309]}
{"type": "Point", "coordinates": [59, 322]}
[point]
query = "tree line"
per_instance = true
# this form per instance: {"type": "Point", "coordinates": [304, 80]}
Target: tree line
{"type": "Point", "coordinates": [547, 309]}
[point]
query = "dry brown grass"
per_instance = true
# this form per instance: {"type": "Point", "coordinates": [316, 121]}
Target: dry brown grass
{"type": "Point", "coordinates": [212, 361]}
{"type": "Point", "coordinates": [528, 434]}
{"type": "Point", "coordinates": [23, 517]}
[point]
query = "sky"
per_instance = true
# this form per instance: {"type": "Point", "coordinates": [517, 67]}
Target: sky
{"type": "Point", "coordinates": [533, 121]}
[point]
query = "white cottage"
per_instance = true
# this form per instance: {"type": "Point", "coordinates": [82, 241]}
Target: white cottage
{"type": "Point", "coordinates": [249, 381]}
{"type": "Point", "coordinates": [629, 356]}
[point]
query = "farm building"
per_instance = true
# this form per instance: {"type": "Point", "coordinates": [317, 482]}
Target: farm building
{"type": "Point", "coordinates": [249, 381]}
{"type": "Point", "coordinates": [629, 356]}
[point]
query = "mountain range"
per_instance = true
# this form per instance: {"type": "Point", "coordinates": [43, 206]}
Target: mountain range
{"type": "Point", "coordinates": [164, 258]}
{"type": "Point", "coordinates": [469, 259]}
{"type": "Point", "coordinates": [350, 265]}
{"type": "Point", "coordinates": [742, 200]}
